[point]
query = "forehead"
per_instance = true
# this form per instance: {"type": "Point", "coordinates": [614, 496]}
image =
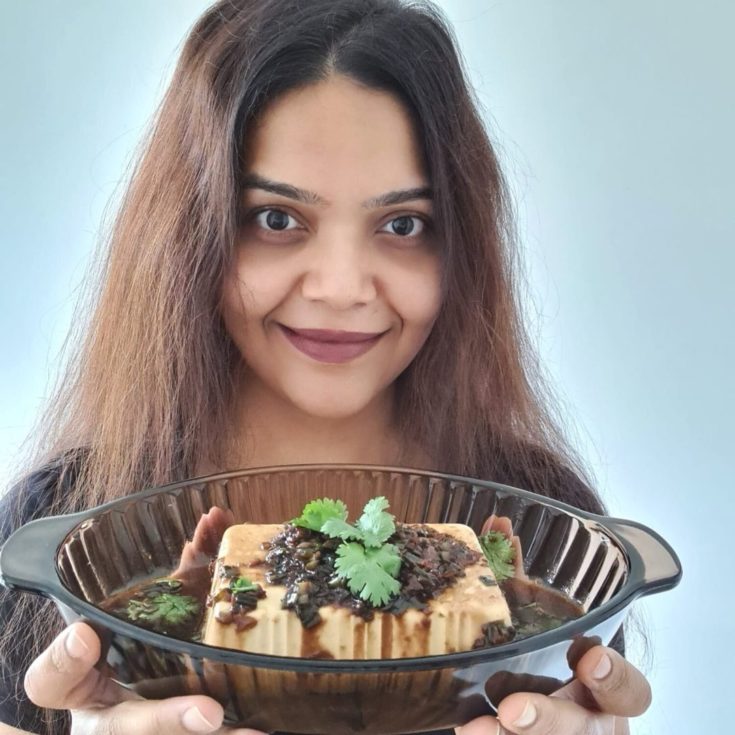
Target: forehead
{"type": "Point", "coordinates": [337, 138]}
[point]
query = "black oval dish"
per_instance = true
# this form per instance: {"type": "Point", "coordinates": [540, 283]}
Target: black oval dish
{"type": "Point", "coordinates": [79, 560]}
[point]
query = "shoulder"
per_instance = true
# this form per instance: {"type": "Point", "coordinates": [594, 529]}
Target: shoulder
{"type": "Point", "coordinates": [32, 496]}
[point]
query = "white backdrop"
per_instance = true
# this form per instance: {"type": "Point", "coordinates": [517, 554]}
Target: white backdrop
{"type": "Point", "coordinates": [615, 123]}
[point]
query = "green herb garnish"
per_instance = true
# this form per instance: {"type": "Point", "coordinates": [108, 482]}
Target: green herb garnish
{"type": "Point", "coordinates": [373, 528]}
{"type": "Point", "coordinates": [316, 513]}
{"type": "Point", "coordinates": [242, 584]}
{"type": "Point", "coordinates": [365, 560]}
{"type": "Point", "coordinates": [499, 553]}
{"type": "Point", "coordinates": [166, 609]}
{"type": "Point", "coordinates": [370, 572]}
{"type": "Point", "coordinates": [375, 524]}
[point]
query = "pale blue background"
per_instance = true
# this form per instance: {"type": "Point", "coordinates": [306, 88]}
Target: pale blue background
{"type": "Point", "coordinates": [616, 123]}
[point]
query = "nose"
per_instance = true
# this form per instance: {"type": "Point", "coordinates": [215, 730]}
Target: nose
{"type": "Point", "coordinates": [339, 272]}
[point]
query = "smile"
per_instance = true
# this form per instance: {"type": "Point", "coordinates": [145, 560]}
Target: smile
{"type": "Point", "coordinates": [331, 346]}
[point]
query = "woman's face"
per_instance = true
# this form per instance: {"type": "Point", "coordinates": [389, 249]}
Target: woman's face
{"type": "Point", "coordinates": [319, 250]}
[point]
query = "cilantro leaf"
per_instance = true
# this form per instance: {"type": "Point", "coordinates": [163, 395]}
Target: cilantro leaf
{"type": "Point", "coordinates": [388, 557]}
{"type": "Point", "coordinates": [242, 584]}
{"type": "Point", "coordinates": [316, 513]}
{"type": "Point", "coordinates": [499, 553]}
{"type": "Point", "coordinates": [176, 608]}
{"type": "Point", "coordinates": [338, 528]}
{"type": "Point", "coordinates": [370, 572]}
{"type": "Point", "coordinates": [163, 608]}
{"type": "Point", "coordinates": [364, 559]}
{"type": "Point", "coordinates": [376, 525]}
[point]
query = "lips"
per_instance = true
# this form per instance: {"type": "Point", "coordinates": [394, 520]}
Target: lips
{"type": "Point", "coordinates": [326, 345]}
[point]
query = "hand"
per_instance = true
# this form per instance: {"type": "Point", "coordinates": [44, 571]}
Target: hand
{"type": "Point", "coordinates": [64, 677]}
{"type": "Point", "coordinates": [193, 566]}
{"type": "Point", "coordinates": [606, 690]}
{"type": "Point", "coordinates": [504, 525]}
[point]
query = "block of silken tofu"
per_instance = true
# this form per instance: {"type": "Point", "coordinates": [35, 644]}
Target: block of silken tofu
{"type": "Point", "coordinates": [453, 621]}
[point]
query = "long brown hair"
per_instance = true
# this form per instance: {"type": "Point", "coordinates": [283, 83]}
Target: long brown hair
{"type": "Point", "coordinates": [149, 380]}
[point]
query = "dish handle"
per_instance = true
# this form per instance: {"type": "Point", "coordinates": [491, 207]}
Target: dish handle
{"type": "Point", "coordinates": [653, 561]}
{"type": "Point", "coordinates": [28, 556]}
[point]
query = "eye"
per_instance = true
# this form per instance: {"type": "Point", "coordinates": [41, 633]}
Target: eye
{"type": "Point", "coordinates": [405, 226]}
{"type": "Point", "coordinates": [273, 220]}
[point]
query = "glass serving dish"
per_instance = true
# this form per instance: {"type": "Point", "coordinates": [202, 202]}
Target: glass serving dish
{"type": "Point", "coordinates": [81, 560]}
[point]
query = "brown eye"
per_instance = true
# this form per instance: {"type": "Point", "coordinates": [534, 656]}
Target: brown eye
{"type": "Point", "coordinates": [273, 220]}
{"type": "Point", "coordinates": [405, 226]}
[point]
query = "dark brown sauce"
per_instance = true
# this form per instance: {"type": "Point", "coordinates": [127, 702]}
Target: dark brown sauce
{"type": "Point", "coordinates": [535, 608]}
{"type": "Point", "coordinates": [360, 633]}
{"type": "Point", "coordinates": [303, 561]}
{"type": "Point", "coordinates": [386, 637]}
{"type": "Point", "coordinates": [193, 596]}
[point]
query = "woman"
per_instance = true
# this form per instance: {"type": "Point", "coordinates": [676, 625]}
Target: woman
{"type": "Point", "coordinates": [313, 263]}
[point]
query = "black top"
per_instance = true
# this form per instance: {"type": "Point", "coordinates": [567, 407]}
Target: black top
{"type": "Point", "coordinates": [32, 498]}
{"type": "Point", "coordinates": [29, 499]}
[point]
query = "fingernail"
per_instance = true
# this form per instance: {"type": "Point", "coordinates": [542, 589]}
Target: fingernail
{"type": "Point", "coordinates": [75, 646]}
{"type": "Point", "coordinates": [528, 716]}
{"type": "Point", "coordinates": [603, 668]}
{"type": "Point", "coordinates": [194, 721]}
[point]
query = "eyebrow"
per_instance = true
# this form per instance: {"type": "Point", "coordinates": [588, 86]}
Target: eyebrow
{"type": "Point", "coordinates": [255, 181]}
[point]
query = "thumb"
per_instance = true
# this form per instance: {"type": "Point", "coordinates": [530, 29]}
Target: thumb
{"type": "Point", "coordinates": [63, 676]}
{"type": "Point", "coordinates": [173, 716]}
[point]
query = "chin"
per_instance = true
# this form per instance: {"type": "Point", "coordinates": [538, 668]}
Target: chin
{"type": "Point", "coordinates": [335, 405]}
{"type": "Point", "coordinates": [331, 409]}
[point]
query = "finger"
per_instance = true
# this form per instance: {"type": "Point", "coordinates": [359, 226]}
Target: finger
{"type": "Point", "coordinates": [221, 520]}
{"type": "Point", "coordinates": [7, 730]}
{"type": "Point", "coordinates": [504, 525]}
{"type": "Point", "coordinates": [63, 676]}
{"type": "Point", "coordinates": [484, 725]}
{"type": "Point", "coordinates": [174, 716]}
{"type": "Point", "coordinates": [536, 714]}
{"type": "Point", "coordinates": [520, 572]}
{"type": "Point", "coordinates": [206, 539]}
{"type": "Point", "coordinates": [616, 685]}
{"type": "Point", "coordinates": [209, 531]}
{"type": "Point", "coordinates": [201, 541]}
{"type": "Point", "coordinates": [488, 525]}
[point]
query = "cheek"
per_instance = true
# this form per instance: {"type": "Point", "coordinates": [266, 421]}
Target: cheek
{"type": "Point", "coordinates": [417, 298]}
{"type": "Point", "coordinates": [254, 289]}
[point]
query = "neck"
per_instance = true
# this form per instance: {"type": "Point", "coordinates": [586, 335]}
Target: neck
{"type": "Point", "coordinates": [270, 431]}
